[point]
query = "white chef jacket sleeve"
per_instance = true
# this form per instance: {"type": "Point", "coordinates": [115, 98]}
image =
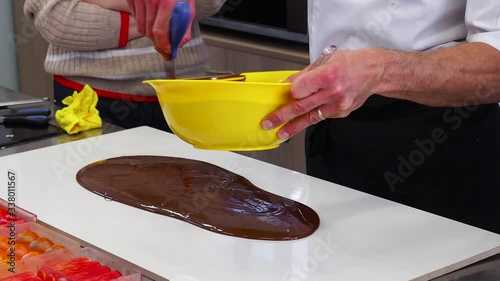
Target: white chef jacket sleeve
{"type": "Point", "coordinates": [482, 18]}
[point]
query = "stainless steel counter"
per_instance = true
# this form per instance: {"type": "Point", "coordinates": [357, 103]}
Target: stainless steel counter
{"type": "Point", "coordinates": [485, 270]}
{"type": "Point", "coordinates": [7, 95]}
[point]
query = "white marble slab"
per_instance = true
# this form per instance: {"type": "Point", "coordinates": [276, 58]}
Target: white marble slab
{"type": "Point", "coordinates": [361, 237]}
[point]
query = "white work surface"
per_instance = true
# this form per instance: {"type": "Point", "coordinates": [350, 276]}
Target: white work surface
{"type": "Point", "coordinates": [361, 237]}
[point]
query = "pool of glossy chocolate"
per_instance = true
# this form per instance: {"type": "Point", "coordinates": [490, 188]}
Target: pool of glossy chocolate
{"type": "Point", "coordinates": [199, 193]}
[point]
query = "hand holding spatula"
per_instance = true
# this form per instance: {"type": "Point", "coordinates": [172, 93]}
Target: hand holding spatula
{"type": "Point", "coordinates": [179, 22]}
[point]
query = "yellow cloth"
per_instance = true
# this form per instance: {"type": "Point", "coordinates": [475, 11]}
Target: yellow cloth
{"type": "Point", "coordinates": [80, 114]}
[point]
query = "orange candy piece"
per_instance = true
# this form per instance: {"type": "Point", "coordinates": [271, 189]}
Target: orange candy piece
{"type": "Point", "coordinates": [19, 251]}
{"type": "Point", "coordinates": [4, 243]}
{"type": "Point", "coordinates": [31, 254]}
{"type": "Point", "coordinates": [54, 248]}
{"type": "Point", "coordinates": [41, 244]}
{"type": "Point", "coordinates": [26, 237]}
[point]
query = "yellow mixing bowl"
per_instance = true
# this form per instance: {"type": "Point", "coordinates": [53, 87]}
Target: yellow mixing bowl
{"type": "Point", "coordinates": [224, 115]}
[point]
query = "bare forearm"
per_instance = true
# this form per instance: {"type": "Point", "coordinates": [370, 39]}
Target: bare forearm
{"type": "Point", "coordinates": [461, 75]}
{"type": "Point", "coordinates": [467, 74]}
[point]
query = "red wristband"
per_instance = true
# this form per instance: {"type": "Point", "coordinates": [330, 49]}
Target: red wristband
{"type": "Point", "coordinates": [125, 20]}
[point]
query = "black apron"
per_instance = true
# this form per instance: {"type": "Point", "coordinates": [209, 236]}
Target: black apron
{"type": "Point", "coordinates": [441, 160]}
{"type": "Point", "coordinates": [122, 113]}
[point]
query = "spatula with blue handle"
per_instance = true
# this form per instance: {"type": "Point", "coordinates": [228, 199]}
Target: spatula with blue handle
{"type": "Point", "coordinates": [26, 117]}
{"type": "Point", "coordinates": [179, 23]}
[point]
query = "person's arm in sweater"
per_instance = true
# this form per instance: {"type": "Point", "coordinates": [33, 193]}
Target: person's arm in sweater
{"type": "Point", "coordinates": [206, 8]}
{"type": "Point", "coordinates": [117, 5]}
{"type": "Point", "coordinates": [75, 25]}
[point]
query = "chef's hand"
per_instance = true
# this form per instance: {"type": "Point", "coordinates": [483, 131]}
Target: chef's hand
{"type": "Point", "coordinates": [153, 20]}
{"type": "Point", "coordinates": [332, 90]}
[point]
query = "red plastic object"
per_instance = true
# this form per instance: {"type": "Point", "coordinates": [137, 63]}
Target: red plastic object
{"type": "Point", "coordinates": [111, 275]}
{"type": "Point", "coordinates": [88, 273]}
{"type": "Point", "coordinates": [10, 213]}
{"type": "Point", "coordinates": [77, 268]}
{"type": "Point", "coordinates": [71, 263]}
{"type": "Point", "coordinates": [46, 273]}
{"type": "Point", "coordinates": [87, 264]}
{"type": "Point", "coordinates": [27, 276]}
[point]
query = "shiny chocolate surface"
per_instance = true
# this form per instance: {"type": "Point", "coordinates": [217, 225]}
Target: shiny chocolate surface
{"type": "Point", "coordinates": [199, 193]}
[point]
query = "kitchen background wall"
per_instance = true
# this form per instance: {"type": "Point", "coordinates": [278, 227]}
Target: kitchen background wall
{"type": "Point", "coordinates": [31, 50]}
{"type": "Point", "coordinates": [228, 52]}
{"type": "Point", "coordinates": [8, 65]}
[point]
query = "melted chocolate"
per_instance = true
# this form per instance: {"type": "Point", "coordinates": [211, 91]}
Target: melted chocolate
{"type": "Point", "coordinates": [199, 193]}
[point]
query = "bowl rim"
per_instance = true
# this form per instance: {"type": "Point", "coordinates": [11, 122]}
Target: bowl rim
{"type": "Point", "coordinates": [212, 82]}
{"type": "Point", "coordinates": [180, 80]}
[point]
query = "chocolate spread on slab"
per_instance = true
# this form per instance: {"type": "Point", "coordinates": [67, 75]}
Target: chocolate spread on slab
{"type": "Point", "coordinates": [201, 194]}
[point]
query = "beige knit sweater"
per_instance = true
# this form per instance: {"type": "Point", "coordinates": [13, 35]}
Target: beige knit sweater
{"type": "Point", "coordinates": [84, 47]}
